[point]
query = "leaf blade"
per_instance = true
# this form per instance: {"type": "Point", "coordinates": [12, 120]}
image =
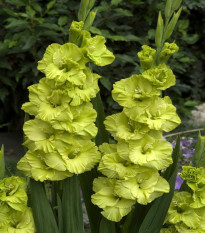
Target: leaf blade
{"type": "Point", "coordinates": [72, 206]}
{"type": "Point", "coordinates": [43, 215]}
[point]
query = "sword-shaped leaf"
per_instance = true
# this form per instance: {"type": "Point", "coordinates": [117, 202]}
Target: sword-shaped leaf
{"type": "Point", "coordinates": [72, 206]}
{"type": "Point", "coordinates": [43, 215]}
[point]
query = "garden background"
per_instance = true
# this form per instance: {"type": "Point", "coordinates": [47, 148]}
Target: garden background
{"type": "Point", "coordinates": [29, 26]}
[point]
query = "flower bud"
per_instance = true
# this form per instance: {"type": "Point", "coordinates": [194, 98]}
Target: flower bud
{"type": "Point", "coordinates": [168, 50]}
{"type": "Point", "coordinates": [159, 31]}
{"type": "Point", "coordinates": [146, 57]}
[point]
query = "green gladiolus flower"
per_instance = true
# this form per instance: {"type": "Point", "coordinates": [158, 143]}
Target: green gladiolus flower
{"type": "Point", "coordinates": [46, 95]}
{"type": "Point", "coordinates": [85, 92]}
{"type": "Point", "coordinates": [79, 155]}
{"type": "Point", "coordinates": [146, 57]}
{"type": "Point", "coordinates": [121, 127]}
{"type": "Point", "coordinates": [160, 76]}
{"type": "Point", "coordinates": [181, 212]}
{"type": "Point", "coordinates": [157, 113]}
{"type": "Point", "coordinates": [194, 177]}
{"type": "Point", "coordinates": [13, 192]}
{"type": "Point", "coordinates": [81, 121]}
{"type": "Point", "coordinates": [33, 165]}
{"type": "Point", "coordinates": [198, 198]}
{"type": "Point", "coordinates": [75, 31]}
{"type": "Point", "coordinates": [113, 166]}
{"type": "Point", "coordinates": [170, 229]}
{"type": "Point", "coordinates": [54, 106]}
{"type": "Point", "coordinates": [64, 63]}
{"type": "Point", "coordinates": [72, 155]}
{"type": "Point", "coordinates": [149, 151]}
{"type": "Point", "coordinates": [144, 188]}
{"type": "Point", "coordinates": [95, 49]}
{"type": "Point", "coordinates": [114, 207]}
{"type": "Point", "coordinates": [183, 228]}
{"type": "Point", "coordinates": [129, 92]}
{"type": "Point", "coordinates": [47, 101]}
{"type": "Point", "coordinates": [167, 51]}
{"type": "Point", "coordinates": [21, 222]}
{"type": "Point", "coordinates": [71, 94]}
{"type": "Point", "coordinates": [40, 135]}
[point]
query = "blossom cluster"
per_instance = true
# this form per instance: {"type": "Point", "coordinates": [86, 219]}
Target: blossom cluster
{"type": "Point", "coordinates": [15, 215]}
{"type": "Point", "coordinates": [131, 166]}
{"type": "Point", "coordinates": [187, 210]}
{"type": "Point", "coordinates": [59, 136]}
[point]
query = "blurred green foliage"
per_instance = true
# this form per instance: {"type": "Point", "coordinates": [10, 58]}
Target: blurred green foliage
{"type": "Point", "coordinates": [29, 26]}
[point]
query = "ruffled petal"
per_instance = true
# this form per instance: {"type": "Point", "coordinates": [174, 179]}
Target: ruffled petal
{"type": "Point", "coordinates": [129, 92]}
{"type": "Point", "coordinates": [113, 166]}
{"type": "Point", "coordinates": [121, 127]}
{"type": "Point", "coordinates": [34, 166]}
{"type": "Point", "coordinates": [160, 76]}
{"type": "Point", "coordinates": [143, 188]}
{"type": "Point", "coordinates": [78, 155]}
{"type": "Point", "coordinates": [96, 50]}
{"type": "Point", "coordinates": [48, 56]}
{"type": "Point", "coordinates": [150, 152]}
{"type": "Point", "coordinates": [40, 133]}
{"type": "Point", "coordinates": [146, 56]}
{"type": "Point", "coordinates": [84, 93]}
{"type": "Point", "coordinates": [161, 114]}
{"type": "Point", "coordinates": [114, 208]}
{"type": "Point", "coordinates": [20, 222]}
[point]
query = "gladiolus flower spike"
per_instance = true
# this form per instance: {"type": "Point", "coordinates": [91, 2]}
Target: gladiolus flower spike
{"type": "Point", "coordinates": [59, 136]}
{"type": "Point", "coordinates": [130, 167]}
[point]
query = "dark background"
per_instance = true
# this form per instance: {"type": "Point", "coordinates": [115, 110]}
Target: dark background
{"type": "Point", "coordinates": [29, 26]}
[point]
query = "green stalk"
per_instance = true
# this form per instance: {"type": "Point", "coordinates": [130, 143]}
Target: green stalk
{"type": "Point", "coordinates": [86, 183]}
{"type": "Point", "coordinates": [102, 135]}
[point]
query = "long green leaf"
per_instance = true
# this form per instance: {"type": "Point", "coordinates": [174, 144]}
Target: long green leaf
{"type": "Point", "coordinates": [102, 135]}
{"type": "Point", "coordinates": [135, 218]}
{"type": "Point", "coordinates": [86, 182]}
{"type": "Point", "coordinates": [43, 215]}
{"type": "Point", "coordinates": [154, 219]}
{"type": "Point", "coordinates": [60, 215]}
{"type": "Point", "coordinates": [159, 31]}
{"type": "Point", "coordinates": [107, 226]}
{"type": "Point", "coordinates": [72, 206]}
